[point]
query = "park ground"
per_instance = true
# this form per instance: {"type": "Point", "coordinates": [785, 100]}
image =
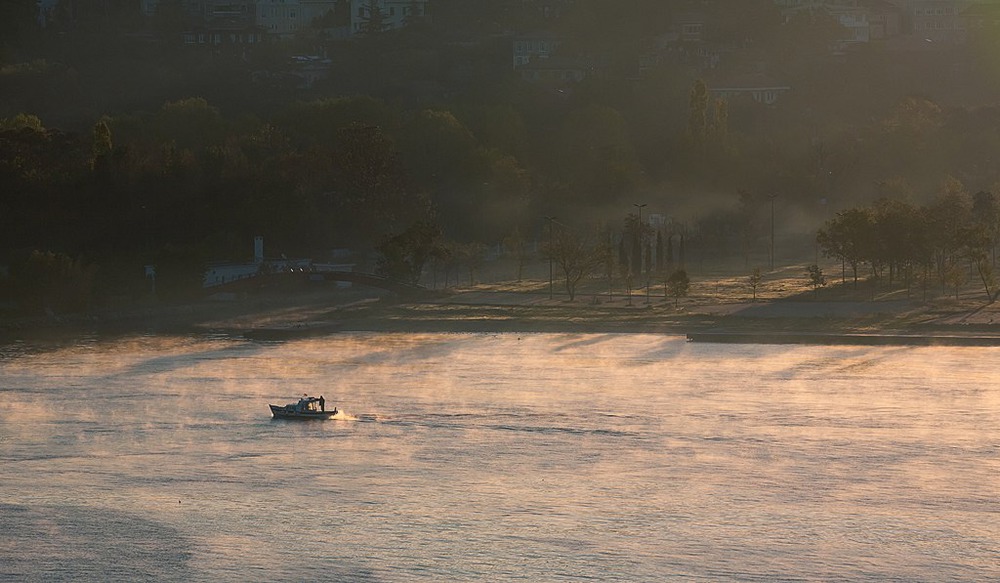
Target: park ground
{"type": "Point", "coordinates": [784, 302]}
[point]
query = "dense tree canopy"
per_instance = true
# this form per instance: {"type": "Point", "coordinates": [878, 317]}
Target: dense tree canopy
{"type": "Point", "coordinates": [122, 150]}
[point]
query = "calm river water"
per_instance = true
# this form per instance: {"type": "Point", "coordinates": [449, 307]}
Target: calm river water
{"type": "Point", "coordinates": [478, 457]}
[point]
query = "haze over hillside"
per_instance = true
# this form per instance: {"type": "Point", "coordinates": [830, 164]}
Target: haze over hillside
{"type": "Point", "coordinates": [170, 132]}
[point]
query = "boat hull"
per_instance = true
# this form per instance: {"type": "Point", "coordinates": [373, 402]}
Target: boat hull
{"type": "Point", "coordinates": [280, 412]}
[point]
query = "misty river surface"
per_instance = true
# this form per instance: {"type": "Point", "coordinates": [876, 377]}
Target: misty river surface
{"type": "Point", "coordinates": [485, 457]}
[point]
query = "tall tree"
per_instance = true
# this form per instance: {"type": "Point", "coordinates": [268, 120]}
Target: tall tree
{"type": "Point", "coordinates": [697, 126]}
{"type": "Point", "coordinates": [577, 257]}
{"type": "Point", "coordinates": [403, 256]}
{"type": "Point", "coordinates": [850, 237]}
{"type": "Point", "coordinates": [678, 285]}
{"type": "Point", "coordinates": [374, 20]}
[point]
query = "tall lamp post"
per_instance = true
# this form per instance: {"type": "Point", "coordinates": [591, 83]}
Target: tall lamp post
{"type": "Point", "coordinates": [550, 220]}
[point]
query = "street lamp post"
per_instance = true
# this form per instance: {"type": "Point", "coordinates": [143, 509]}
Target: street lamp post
{"type": "Point", "coordinates": [550, 220]}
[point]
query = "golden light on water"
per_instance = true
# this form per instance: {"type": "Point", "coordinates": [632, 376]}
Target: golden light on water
{"type": "Point", "coordinates": [608, 455]}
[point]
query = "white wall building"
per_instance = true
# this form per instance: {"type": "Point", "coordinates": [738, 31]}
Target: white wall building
{"type": "Point", "coordinates": [222, 272]}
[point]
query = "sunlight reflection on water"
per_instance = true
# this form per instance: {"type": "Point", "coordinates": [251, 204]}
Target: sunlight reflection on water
{"type": "Point", "coordinates": [482, 456]}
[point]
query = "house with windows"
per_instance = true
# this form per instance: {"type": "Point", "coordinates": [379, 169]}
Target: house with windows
{"type": "Point", "coordinates": [280, 17]}
{"type": "Point", "coordinates": [222, 272]}
{"type": "Point", "coordinates": [756, 86]}
{"type": "Point", "coordinates": [938, 21]}
{"type": "Point", "coordinates": [218, 22]}
{"type": "Point", "coordinates": [555, 70]}
{"type": "Point", "coordinates": [385, 14]}
{"type": "Point", "coordinates": [885, 20]}
{"type": "Point", "coordinates": [863, 20]}
{"type": "Point", "coordinates": [533, 47]}
{"type": "Point", "coordinates": [224, 25]}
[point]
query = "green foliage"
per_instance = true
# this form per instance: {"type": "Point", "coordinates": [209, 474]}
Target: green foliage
{"type": "Point", "coordinates": [22, 121]}
{"type": "Point", "coordinates": [53, 283]}
{"type": "Point", "coordinates": [373, 21]}
{"type": "Point", "coordinates": [18, 20]}
{"type": "Point", "coordinates": [945, 236]}
{"type": "Point", "coordinates": [190, 123]}
{"type": "Point", "coordinates": [403, 256]}
{"type": "Point", "coordinates": [456, 134]}
{"type": "Point", "coordinates": [754, 280]}
{"type": "Point", "coordinates": [849, 237]}
{"type": "Point", "coordinates": [697, 128]}
{"type": "Point", "coordinates": [180, 270]}
{"type": "Point", "coordinates": [577, 256]}
{"type": "Point", "coordinates": [678, 285]}
{"type": "Point", "coordinates": [816, 277]}
{"type": "Point", "coordinates": [371, 184]}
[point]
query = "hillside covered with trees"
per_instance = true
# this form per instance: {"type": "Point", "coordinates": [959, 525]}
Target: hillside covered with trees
{"type": "Point", "coordinates": [120, 147]}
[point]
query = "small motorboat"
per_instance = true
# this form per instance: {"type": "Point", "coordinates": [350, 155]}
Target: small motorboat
{"type": "Point", "coordinates": [306, 408]}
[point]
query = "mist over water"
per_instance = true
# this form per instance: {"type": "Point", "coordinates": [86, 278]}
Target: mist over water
{"type": "Point", "coordinates": [463, 457]}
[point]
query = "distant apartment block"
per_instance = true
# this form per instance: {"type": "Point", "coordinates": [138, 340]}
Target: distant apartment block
{"type": "Point", "coordinates": [756, 86]}
{"type": "Point", "coordinates": [933, 21]}
{"type": "Point", "coordinates": [937, 20]}
{"type": "Point", "coordinates": [281, 17]}
{"type": "Point", "coordinates": [555, 70]}
{"type": "Point", "coordinates": [533, 47]}
{"type": "Point", "coordinates": [220, 24]}
{"type": "Point", "coordinates": [394, 13]}
{"type": "Point", "coordinates": [227, 21]}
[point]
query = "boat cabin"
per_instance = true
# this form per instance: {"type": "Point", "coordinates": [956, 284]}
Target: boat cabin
{"type": "Point", "coordinates": [308, 405]}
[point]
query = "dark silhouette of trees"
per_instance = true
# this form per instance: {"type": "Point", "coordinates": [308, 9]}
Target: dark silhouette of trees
{"type": "Point", "coordinates": [516, 247]}
{"type": "Point", "coordinates": [202, 152]}
{"type": "Point", "coordinates": [403, 256]}
{"type": "Point", "coordinates": [577, 256]}
{"type": "Point", "coordinates": [678, 285]}
{"type": "Point", "coordinates": [944, 237]}
{"type": "Point", "coordinates": [53, 282]}
{"type": "Point", "coordinates": [754, 280]}
{"type": "Point", "coordinates": [816, 277]}
{"type": "Point", "coordinates": [373, 22]}
{"type": "Point", "coordinates": [849, 237]}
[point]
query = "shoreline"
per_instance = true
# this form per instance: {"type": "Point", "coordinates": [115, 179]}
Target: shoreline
{"type": "Point", "coordinates": [291, 315]}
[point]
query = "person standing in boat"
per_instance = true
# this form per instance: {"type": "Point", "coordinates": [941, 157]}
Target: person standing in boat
{"type": "Point", "coordinates": [322, 403]}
